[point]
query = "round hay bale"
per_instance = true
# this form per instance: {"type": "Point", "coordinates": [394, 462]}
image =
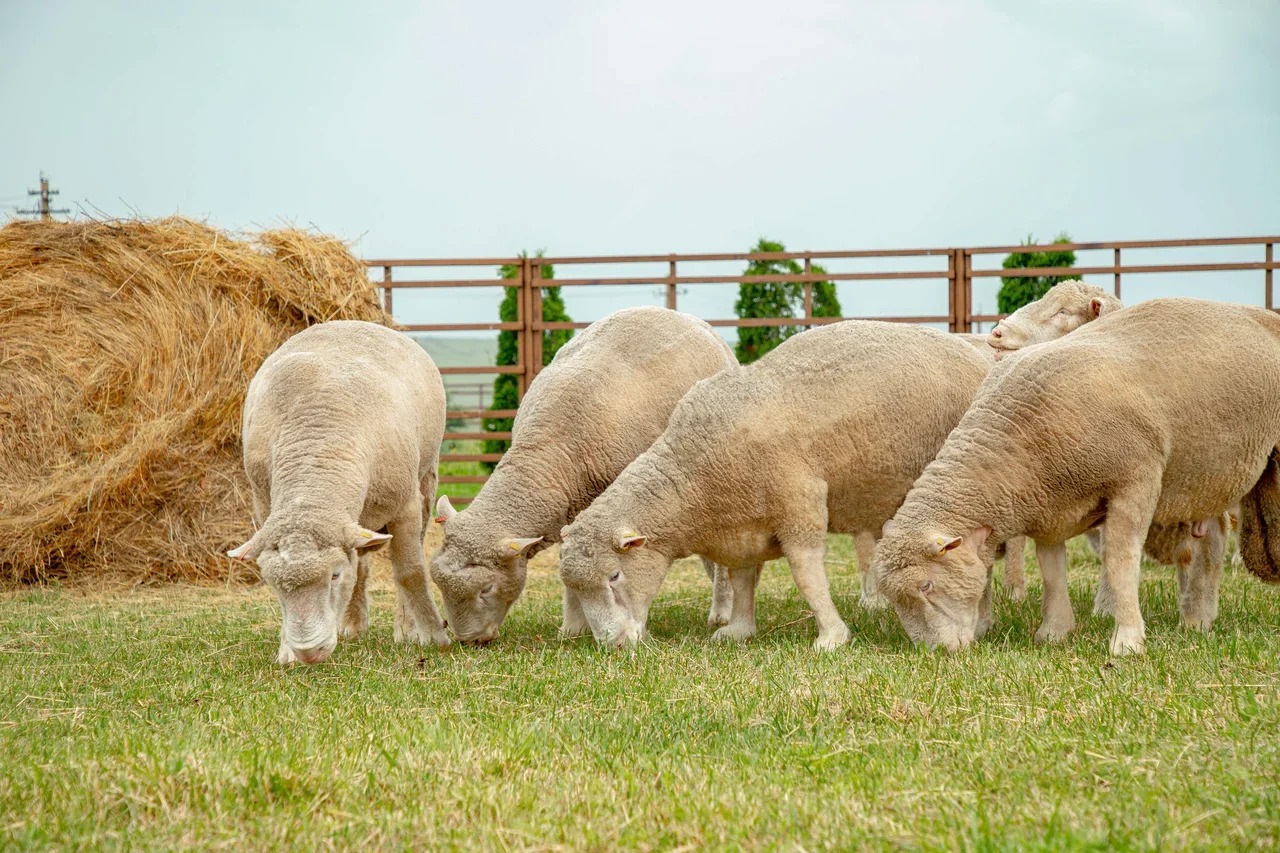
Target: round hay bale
{"type": "Point", "coordinates": [125, 351]}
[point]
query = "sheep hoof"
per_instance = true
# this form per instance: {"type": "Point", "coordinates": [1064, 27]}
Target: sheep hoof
{"type": "Point", "coordinates": [734, 633]}
{"type": "Point", "coordinates": [1128, 641]}
{"type": "Point", "coordinates": [1198, 621]}
{"type": "Point", "coordinates": [569, 632]}
{"type": "Point", "coordinates": [1051, 633]}
{"type": "Point", "coordinates": [833, 640]}
{"type": "Point", "coordinates": [1102, 606]}
{"type": "Point", "coordinates": [1017, 593]}
{"type": "Point", "coordinates": [413, 634]}
{"type": "Point", "coordinates": [352, 629]}
{"type": "Point", "coordinates": [716, 617]}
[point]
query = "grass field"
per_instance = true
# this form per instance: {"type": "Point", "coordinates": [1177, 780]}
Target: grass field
{"type": "Point", "coordinates": [157, 718]}
{"type": "Point", "coordinates": [462, 469]}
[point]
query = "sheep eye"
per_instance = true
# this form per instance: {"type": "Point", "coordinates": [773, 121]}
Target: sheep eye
{"type": "Point", "coordinates": [490, 589]}
{"type": "Point", "coordinates": [926, 587]}
{"type": "Point", "coordinates": [336, 575]}
{"type": "Point", "coordinates": [613, 578]}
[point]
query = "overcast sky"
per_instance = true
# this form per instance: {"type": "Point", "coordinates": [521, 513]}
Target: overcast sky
{"type": "Point", "coordinates": [470, 128]}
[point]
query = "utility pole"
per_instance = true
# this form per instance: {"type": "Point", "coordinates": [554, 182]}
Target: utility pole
{"type": "Point", "coordinates": [44, 210]}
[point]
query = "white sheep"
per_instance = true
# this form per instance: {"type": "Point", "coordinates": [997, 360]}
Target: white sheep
{"type": "Point", "coordinates": [1064, 308]}
{"type": "Point", "coordinates": [341, 432]}
{"type": "Point", "coordinates": [1093, 428]}
{"type": "Point", "coordinates": [601, 402]}
{"type": "Point", "coordinates": [1194, 549]}
{"type": "Point", "coordinates": [826, 432]}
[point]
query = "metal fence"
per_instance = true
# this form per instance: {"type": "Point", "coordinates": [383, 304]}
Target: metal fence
{"type": "Point", "coordinates": [959, 268]}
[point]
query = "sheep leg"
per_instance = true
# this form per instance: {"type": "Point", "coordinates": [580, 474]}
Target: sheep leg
{"type": "Point", "coordinates": [575, 621]}
{"type": "Point", "coordinates": [872, 598]}
{"type": "Point", "coordinates": [808, 568]}
{"type": "Point", "coordinates": [285, 654]}
{"type": "Point", "coordinates": [1125, 531]}
{"type": "Point", "coordinates": [986, 616]}
{"type": "Point", "coordinates": [742, 622]}
{"type": "Point", "coordinates": [417, 618]}
{"type": "Point", "coordinates": [355, 621]}
{"type": "Point", "coordinates": [1057, 619]}
{"type": "Point", "coordinates": [1015, 576]}
{"type": "Point", "coordinates": [721, 594]}
{"type": "Point", "coordinates": [1198, 583]}
{"type": "Point", "coordinates": [1103, 600]}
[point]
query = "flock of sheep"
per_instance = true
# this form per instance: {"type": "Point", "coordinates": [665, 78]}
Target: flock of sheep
{"type": "Point", "coordinates": [644, 441]}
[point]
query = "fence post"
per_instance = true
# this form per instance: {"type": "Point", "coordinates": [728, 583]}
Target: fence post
{"type": "Point", "coordinates": [1117, 266]}
{"type": "Point", "coordinates": [953, 279]}
{"type": "Point", "coordinates": [671, 285]}
{"type": "Point", "coordinates": [524, 316]}
{"type": "Point", "coordinates": [386, 289]}
{"type": "Point", "coordinates": [808, 292]}
{"type": "Point", "coordinates": [535, 326]}
{"type": "Point", "coordinates": [1269, 256]}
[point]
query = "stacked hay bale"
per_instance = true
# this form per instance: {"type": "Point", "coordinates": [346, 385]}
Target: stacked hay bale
{"type": "Point", "coordinates": [125, 351]}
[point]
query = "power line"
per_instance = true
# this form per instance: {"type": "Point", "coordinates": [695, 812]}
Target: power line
{"type": "Point", "coordinates": [43, 211]}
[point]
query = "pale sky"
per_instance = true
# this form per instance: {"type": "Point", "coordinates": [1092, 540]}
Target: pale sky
{"type": "Point", "coordinates": [477, 129]}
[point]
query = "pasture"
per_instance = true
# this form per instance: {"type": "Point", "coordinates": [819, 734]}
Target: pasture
{"type": "Point", "coordinates": [156, 717]}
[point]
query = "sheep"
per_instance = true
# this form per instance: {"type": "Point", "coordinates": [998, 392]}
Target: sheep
{"type": "Point", "coordinates": [1093, 428]}
{"type": "Point", "coordinates": [601, 402]}
{"type": "Point", "coordinates": [341, 433]}
{"type": "Point", "coordinates": [825, 433]}
{"type": "Point", "coordinates": [1066, 307]}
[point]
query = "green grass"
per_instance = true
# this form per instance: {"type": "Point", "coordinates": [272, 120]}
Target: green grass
{"type": "Point", "coordinates": [158, 719]}
{"type": "Point", "coordinates": [462, 469]}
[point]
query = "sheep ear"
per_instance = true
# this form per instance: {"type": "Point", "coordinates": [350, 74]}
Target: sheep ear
{"type": "Point", "coordinates": [628, 539]}
{"type": "Point", "coordinates": [947, 543]}
{"type": "Point", "coordinates": [520, 546]}
{"type": "Point", "coordinates": [248, 551]}
{"type": "Point", "coordinates": [367, 540]}
{"type": "Point", "coordinates": [444, 510]}
{"type": "Point", "coordinates": [1097, 306]}
{"type": "Point", "coordinates": [950, 543]}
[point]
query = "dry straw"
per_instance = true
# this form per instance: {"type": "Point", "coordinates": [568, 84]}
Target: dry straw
{"type": "Point", "coordinates": [125, 351]}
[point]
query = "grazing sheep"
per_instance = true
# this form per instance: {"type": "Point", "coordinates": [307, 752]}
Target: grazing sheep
{"type": "Point", "coordinates": [825, 433]}
{"type": "Point", "coordinates": [341, 433]}
{"type": "Point", "coordinates": [1066, 307]}
{"type": "Point", "coordinates": [1093, 428]}
{"type": "Point", "coordinates": [600, 403]}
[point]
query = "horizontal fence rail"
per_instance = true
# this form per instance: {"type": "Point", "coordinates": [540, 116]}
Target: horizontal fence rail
{"type": "Point", "coordinates": [958, 268]}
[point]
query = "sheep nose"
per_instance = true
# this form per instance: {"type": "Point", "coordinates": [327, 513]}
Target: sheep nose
{"type": "Point", "coordinates": [997, 332]}
{"type": "Point", "coordinates": [315, 655]}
